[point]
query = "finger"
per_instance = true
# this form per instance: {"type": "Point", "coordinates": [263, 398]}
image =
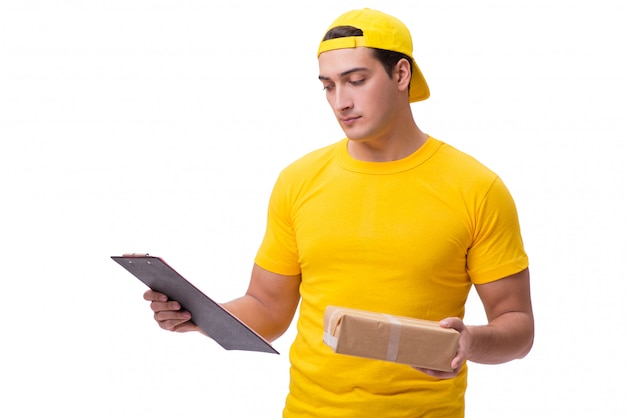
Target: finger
{"type": "Point", "coordinates": [437, 373]}
{"type": "Point", "coordinates": [174, 321]}
{"type": "Point", "coordinates": [186, 327]}
{"type": "Point", "coordinates": [180, 316]}
{"type": "Point", "coordinates": [171, 324]}
{"type": "Point", "coordinates": [152, 296]}
{"type": "Point", "coordinates": [458, 325]}
{"type": "Point", "coordinates": [457, 362]}
{"type": "Point", "coordinates": [171, 305]}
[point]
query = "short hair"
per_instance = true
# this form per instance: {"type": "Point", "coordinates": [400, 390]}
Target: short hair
{"type": "Point", "coordinates": [387, 58]}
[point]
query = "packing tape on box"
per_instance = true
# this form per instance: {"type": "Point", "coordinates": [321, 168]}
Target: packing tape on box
{"type": "Point", "coordinates": [394, 338]}
{"type": "Point", "coordinates": [328, 337]}
{"type": "Point", "coordinates": [330, 340]}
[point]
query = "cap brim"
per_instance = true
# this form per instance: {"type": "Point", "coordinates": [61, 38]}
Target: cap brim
{"type": "Point", "coordinates": [419, 88]}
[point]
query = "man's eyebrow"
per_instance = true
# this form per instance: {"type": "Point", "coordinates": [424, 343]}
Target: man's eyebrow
{"type": "Point", "coordinates": [345, 73]}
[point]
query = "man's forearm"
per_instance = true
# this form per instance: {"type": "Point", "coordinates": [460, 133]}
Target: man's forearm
{"type": "Point", "coordinates": [506, 338]}
{"type": "Point", "coordinates": [252, 312]}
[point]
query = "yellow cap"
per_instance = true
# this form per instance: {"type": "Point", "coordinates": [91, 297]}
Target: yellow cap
{"type": "Point", "coordinates": [380, 31]}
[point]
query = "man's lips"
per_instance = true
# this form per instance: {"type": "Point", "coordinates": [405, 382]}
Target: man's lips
{"type": "Point", "coordinates": [349, 120]}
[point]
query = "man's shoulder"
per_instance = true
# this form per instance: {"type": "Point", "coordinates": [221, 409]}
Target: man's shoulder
{"type": "Point", "coordinates": [462, 162]}
{"type": "Point", "coordinates": [314, 159]}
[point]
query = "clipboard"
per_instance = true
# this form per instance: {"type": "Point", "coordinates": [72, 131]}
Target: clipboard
{"type": "Point", "coordinates": [223, 327]}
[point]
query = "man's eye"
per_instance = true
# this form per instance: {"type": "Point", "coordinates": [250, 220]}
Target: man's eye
{"type": "Point", "coordinates": [357, 82]}
{"type": "Point", "coordinates": [328, 87]}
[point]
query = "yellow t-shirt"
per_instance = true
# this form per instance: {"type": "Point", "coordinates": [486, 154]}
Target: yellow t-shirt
{"type": "Point", "coordinates": [406, 237]}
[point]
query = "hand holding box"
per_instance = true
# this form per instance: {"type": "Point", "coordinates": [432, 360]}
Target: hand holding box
{"type": "Point", "coordinates": [399, 339]}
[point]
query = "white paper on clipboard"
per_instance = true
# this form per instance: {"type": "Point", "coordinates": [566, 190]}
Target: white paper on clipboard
{"type": "Point", "coordinates": [217, 322]}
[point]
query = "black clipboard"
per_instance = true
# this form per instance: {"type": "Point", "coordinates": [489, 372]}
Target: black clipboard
{"type": "Point", "coordinates": [217, 322]}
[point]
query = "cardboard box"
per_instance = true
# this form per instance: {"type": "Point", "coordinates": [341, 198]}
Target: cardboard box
{"type": "Point", "coordinates": [399, 339]}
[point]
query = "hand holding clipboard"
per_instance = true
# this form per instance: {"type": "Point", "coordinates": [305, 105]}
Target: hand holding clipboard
{"type": "Point", "coordinates": [209, 316]}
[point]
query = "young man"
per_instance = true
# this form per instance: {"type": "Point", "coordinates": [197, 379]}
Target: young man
{"type": "Point", "coordinates": [388, 220]}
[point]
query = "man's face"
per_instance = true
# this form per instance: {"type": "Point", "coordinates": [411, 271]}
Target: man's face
{"type": "Point", "coordinates": [360, 92]}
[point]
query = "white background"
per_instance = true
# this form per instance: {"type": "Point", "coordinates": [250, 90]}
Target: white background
{"type": "Point", "coordinates": [160, 126]}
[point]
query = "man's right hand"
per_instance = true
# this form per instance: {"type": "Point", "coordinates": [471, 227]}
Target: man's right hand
{"type": "Point", "coordinates": [169, 314]}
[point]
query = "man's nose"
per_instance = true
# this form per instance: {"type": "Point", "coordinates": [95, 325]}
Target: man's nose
{"type": "Point", "coordinates": [342, 100]}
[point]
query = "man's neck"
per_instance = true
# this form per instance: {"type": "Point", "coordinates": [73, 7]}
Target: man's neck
{"type": "Point", "coordinates": [389, 148]}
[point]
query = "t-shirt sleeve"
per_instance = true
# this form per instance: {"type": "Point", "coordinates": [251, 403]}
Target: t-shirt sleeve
{"type": "Point", "coordinates": [497, 250]}
{"type": "Point", "coordinates": [278, 252]}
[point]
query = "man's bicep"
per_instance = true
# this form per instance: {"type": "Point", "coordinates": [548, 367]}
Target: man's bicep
{"type": "Point", "coordinates": [279, 293]}
{"type": "Point", "coordinates": [509, 294]}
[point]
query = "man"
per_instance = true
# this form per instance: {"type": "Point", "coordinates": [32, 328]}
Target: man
{"type": "Point", "coordinates": [388, 220]}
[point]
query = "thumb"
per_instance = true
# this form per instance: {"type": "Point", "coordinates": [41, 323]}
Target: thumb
{"type": "Point", "coordinates": [454, 323]}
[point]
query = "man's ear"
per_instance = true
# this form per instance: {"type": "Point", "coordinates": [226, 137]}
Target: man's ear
{"type": "Point", "coordinates": [402, 74]}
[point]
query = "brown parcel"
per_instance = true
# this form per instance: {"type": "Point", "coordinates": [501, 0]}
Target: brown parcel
{"type": "Point", "coordinates": [399, 339]}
